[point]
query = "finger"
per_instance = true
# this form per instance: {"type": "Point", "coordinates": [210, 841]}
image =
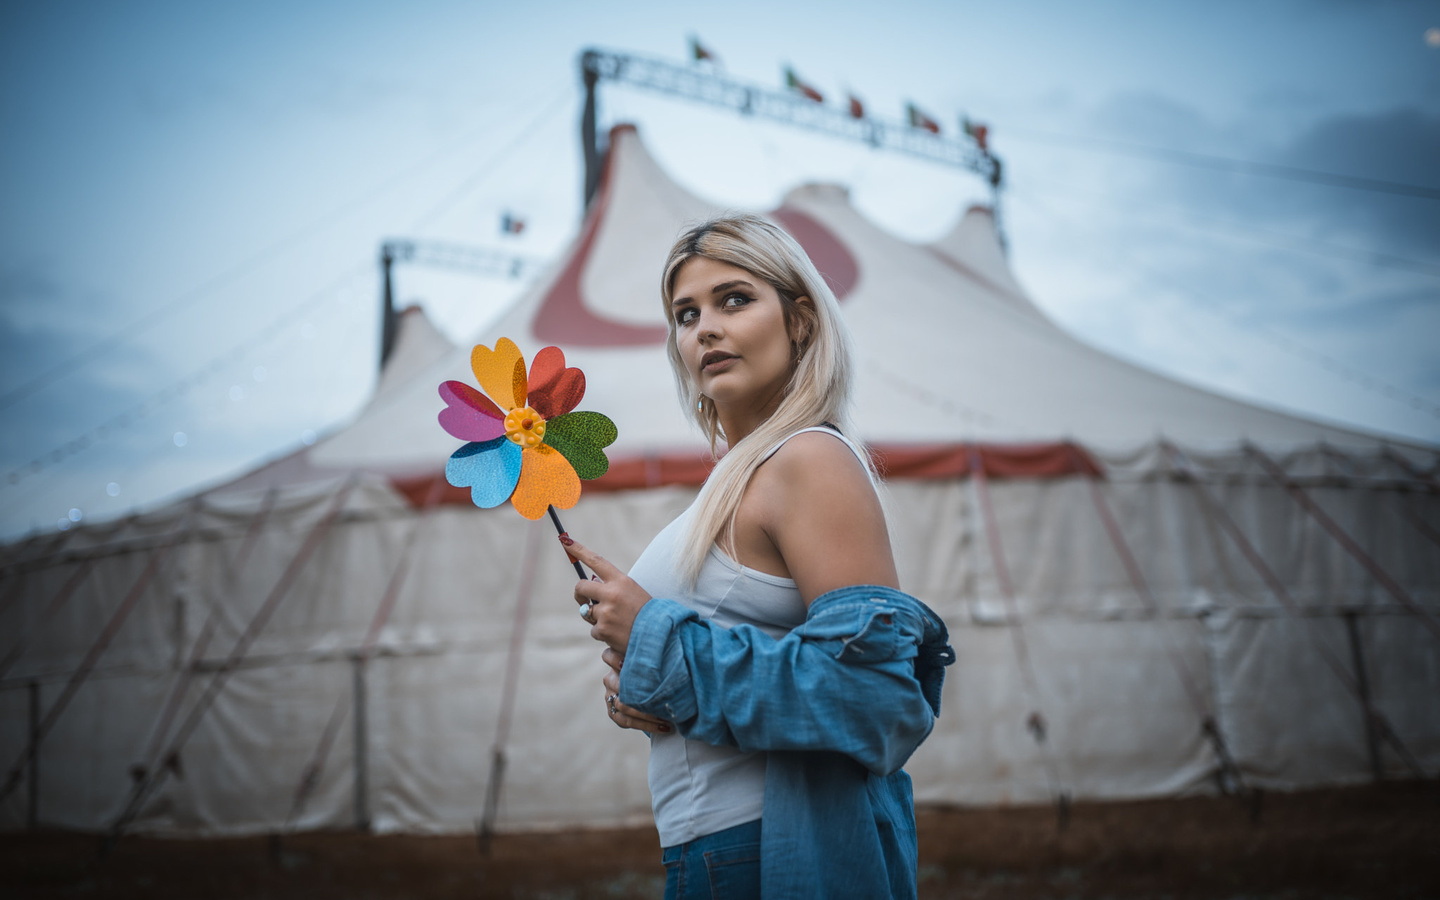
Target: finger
{"type": "Point", "coordinates": [599, 564]}
{"type": "Point", "coordinates": [639, 716]}
{"type": "Point", "coordinates": [586, 592]}
{"type": "Point", "coordinates": [612, 659]}
{"type": "Point", "coordinates": [611, 682]}
{"type": "Point", "coordinates": [639, 722]}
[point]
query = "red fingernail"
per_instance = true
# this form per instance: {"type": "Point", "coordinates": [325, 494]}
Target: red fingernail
{"type": "Point", "coordinates": [666, 728]}
{"type": "Point", "coordinates": [565, 539]}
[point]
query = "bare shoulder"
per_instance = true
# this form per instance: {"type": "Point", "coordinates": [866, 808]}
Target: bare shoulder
{"type": "Point", "coordinates": [818, 507]}
{"type": "Point", "coordinates": [814, 465]}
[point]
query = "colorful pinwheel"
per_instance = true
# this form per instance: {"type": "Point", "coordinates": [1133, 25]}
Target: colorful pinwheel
{"type": "Point", "coordinates": [526, 446]}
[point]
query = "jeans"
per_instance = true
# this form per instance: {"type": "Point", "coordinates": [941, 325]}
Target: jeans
{"type": "Point", "coordinates": [720, 866]}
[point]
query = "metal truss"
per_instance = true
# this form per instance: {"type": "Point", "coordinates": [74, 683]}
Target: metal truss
{"type": "Point", "coordinates": [706, 85]}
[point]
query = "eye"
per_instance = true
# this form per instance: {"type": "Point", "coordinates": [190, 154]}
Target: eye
{"type": "Point", "coordinates": [686, 314]}
{"type": "Point", "coordinates": [736, 301]}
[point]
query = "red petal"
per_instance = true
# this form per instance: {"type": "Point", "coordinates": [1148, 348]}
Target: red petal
{"type": "Point", "coordinates": [554, 389]}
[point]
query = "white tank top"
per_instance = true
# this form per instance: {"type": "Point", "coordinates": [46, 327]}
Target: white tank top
{"type": "Point", "coordinates": [695, 788]}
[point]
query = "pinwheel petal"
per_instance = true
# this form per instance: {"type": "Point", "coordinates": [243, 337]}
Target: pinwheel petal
{"type": "Point", "coordinates": [490, 470]}
{"type": "Point", "coordinates": [554, 389]}
{"type": "Point", "coordinates": [546, 478]}
{"type": "Point", "coordinates": [579, 436]}
{"type": "Point", "coordinates": [468, 414]}
{"type": "Point", "coordinates": [517, 382]}
{"type": "Point", "coordinates": [495, 370]}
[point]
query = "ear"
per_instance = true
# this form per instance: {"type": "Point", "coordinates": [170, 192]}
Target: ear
{"type": "Point", "coordinates": [802, 324]}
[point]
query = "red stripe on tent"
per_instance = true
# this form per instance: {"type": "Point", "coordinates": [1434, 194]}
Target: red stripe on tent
{"type": "Point", "coordinates": [563, 317]}
{"type": "Point", "coordinates": [933, 461]}
{"type": "Point", "coordinates": [836, 263]}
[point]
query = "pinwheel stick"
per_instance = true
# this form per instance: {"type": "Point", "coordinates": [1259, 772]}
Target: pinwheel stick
{"type": "Point", "coordinates": [561, 529]}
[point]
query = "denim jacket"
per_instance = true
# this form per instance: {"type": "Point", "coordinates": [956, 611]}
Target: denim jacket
{"type": "Point", "coordinates": [838, 705]}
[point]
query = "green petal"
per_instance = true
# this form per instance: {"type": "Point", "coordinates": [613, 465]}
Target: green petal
{"type": "Point", "coordinates": [579, 436]}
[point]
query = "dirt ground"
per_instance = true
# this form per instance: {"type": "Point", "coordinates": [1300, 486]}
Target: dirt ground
{"type": "Point", "coordinates": [1381, 841]}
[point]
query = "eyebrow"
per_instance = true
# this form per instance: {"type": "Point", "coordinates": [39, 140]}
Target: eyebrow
{"type": "Point", "coordinates": [722, 286]}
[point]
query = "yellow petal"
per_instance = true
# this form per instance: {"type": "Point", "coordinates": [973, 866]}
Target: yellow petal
{"type": "Point", "coordinates": [500, 372]}
{"type": "Point", "coordinates": [546, 477]}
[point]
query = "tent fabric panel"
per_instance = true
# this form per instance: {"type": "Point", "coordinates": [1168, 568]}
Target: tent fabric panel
{"type": "Point", "coordinates": [56, 639]}
{"type": "Point", "coordinates": [243, 762]}
{"type": "Point", "coordinates": [432, 721]}
{"type": "Point", "coordinates": [86, 757]}
{"type": "Point", "coordinates": [1092, 676]}
{"type": "Point", "coordinates": [1289, 720]}
{"type": "Point", "coordinates": [1403, 665]}
{"type": "Point", "coordinates": [566, 761]}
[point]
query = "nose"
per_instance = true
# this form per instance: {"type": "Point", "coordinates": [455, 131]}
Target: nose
{"type": "Point", "coordinates": [708, 328]}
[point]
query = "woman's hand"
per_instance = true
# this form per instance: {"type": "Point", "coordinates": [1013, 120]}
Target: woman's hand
{"type": "Point", "coordinates": [620, 714]}
{"type": "Point", "coordinates": [614, 599]}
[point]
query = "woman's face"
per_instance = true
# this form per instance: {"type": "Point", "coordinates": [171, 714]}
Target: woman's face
{"type": "Point", "coordinates": [730, 329]}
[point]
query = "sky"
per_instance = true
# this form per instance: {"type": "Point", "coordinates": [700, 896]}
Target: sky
{"type": "Point", "coordinates": [1243, 196]}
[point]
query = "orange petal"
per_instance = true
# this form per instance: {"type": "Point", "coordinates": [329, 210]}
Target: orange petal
{"type": "Point", "coordinates": [495, 370]}
{"type": "Point", "coordinates": [517, 382]}
{"type": "Point", "coordinates": [546, 477]}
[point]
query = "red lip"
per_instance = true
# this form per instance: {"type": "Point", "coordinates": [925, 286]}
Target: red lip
{"type": "Point", "coordinates": [713, 357]}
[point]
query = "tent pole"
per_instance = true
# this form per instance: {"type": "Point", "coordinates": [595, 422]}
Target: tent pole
{"type": "Point", "coordinates": [387, 304]}
{"type": "Point", "coordinates": [362, 806]}
{"type": "Point", "coordinates": [33, 769]}
{"type": "Point", "coordinates": [590, 75]}
{"type": "Point", "coordinates": [1362, 682]}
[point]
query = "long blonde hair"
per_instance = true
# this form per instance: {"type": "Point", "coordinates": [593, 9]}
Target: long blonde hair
{"type": "Point", "coordinates": [820, 381]}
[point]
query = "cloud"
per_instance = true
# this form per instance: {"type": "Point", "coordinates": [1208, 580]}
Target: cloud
{"type": "Point", "coordinates": [1401, 145]}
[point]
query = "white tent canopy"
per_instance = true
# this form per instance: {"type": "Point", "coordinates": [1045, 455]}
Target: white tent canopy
{"type": "Point", "coordinates": [1152, 589]}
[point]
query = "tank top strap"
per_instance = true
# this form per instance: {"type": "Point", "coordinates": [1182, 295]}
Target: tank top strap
{"type": "Point", "coordinates": [831, 430]}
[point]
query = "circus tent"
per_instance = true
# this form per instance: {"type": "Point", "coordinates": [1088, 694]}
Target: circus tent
{"type": "Point", "coordinates": [1152, 589]}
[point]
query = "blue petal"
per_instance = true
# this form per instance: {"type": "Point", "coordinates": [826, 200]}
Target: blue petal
{"type": "Point", "coordinates": [490, 469]}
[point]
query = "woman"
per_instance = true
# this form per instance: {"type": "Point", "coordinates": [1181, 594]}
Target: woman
{"type": "Point", "coordinates": [761, 639]}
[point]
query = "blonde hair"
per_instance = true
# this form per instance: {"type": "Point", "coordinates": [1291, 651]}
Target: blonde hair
{"type": "Point", "coordinates": [820, 382]}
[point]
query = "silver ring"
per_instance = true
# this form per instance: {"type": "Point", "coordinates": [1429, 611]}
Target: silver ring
{"type": "Point", "coordinates": [610, 702]}
{"type": "Point", "coordinates": [587, 612]}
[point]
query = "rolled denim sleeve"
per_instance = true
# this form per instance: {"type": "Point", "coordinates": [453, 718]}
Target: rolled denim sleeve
{"type": "Point", "coordinates": [844, 681]}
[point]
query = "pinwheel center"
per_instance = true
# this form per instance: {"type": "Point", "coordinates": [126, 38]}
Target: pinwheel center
{"type": "Point", "coordinates": [525, 427]}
